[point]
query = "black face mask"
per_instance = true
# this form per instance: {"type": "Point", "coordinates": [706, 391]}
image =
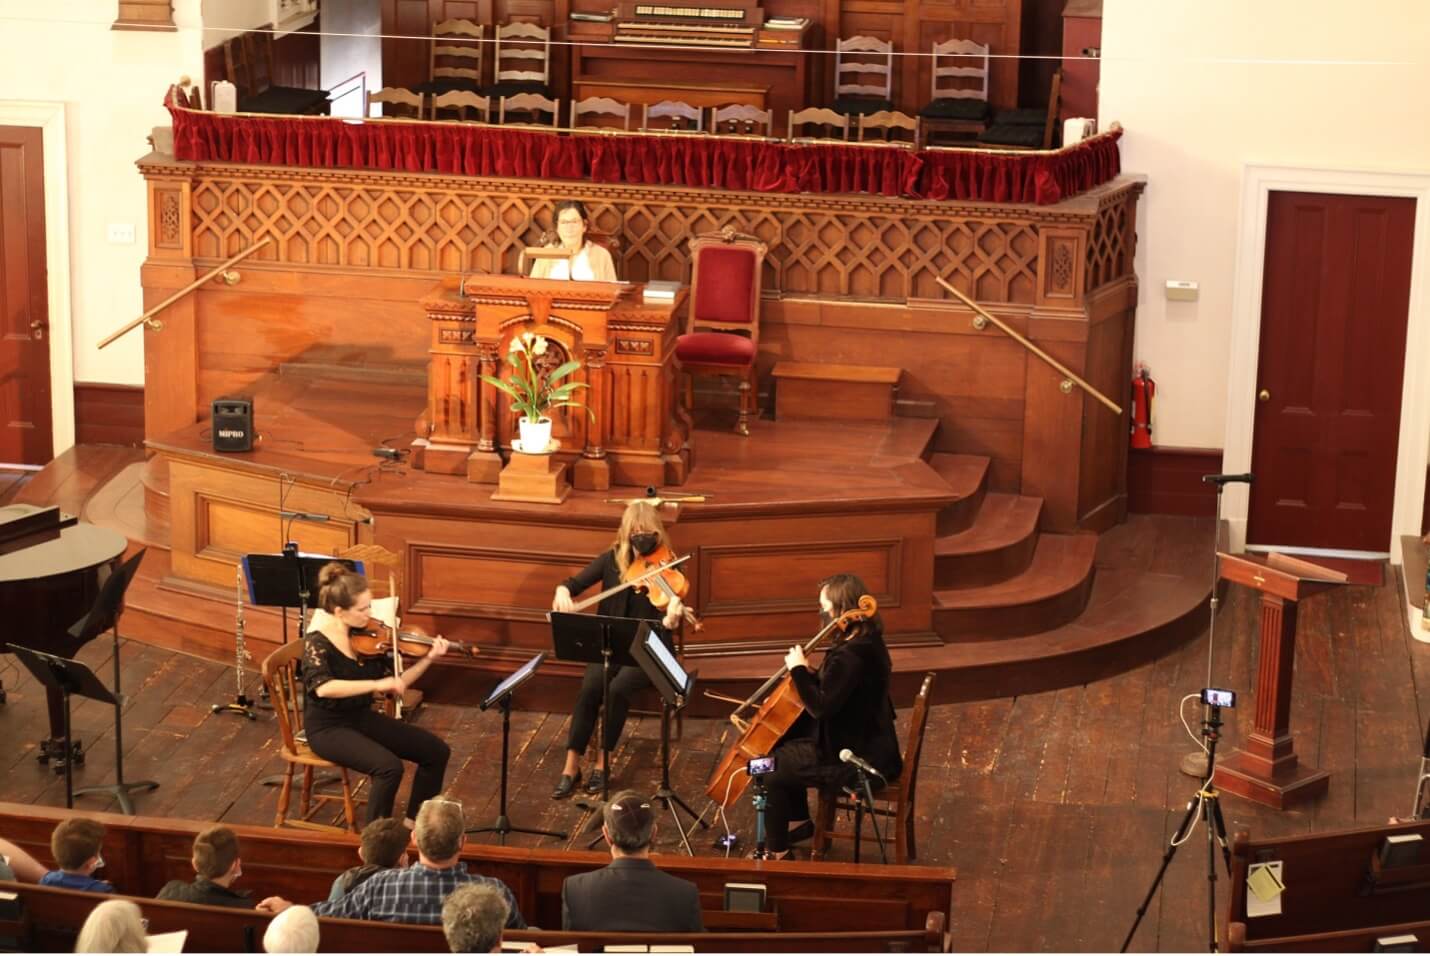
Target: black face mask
{"type": "Point", "coordinates": [645, 542]}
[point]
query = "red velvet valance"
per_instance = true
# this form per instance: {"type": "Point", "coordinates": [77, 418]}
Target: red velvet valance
{"type": "Point", "coordinates": [704, 161]}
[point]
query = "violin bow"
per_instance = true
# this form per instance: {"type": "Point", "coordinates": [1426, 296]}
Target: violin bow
{"type": "Point", "coordinates": [657, 500]}
{"type": "Point", "coordinates": [601, 596]}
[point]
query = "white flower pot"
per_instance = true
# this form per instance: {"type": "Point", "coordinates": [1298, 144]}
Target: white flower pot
{"type": "Point", "coordinates": [535, 436]}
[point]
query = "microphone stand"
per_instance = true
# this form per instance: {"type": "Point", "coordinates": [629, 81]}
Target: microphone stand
{"type": "Point", "coordinates": [865, 798]}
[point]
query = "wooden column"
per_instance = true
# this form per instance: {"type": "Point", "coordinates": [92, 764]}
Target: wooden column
{"type": "Point", "coordinates": [1267, 770]}
{"type": "Point", "coordinates": [593, 471]}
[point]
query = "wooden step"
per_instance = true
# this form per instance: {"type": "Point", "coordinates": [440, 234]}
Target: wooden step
{"type": "Point", "coordinates": [1050, 592]}
{"type": "Point", "coordinates": [999, 545]}
{"type": "Point", "coordinates": [967, 476]}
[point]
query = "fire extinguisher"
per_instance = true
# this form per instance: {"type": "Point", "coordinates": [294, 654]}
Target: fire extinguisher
{"type": "Point", "coordinates": [1143, 388]}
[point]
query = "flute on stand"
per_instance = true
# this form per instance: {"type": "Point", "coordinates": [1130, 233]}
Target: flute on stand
{"type": "Point", "coordinates": [240, 704]}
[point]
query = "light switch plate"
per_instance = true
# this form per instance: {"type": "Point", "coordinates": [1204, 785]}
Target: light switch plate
{"type": "Point", "coordinates": [1180, 290]}
{"type": "Point", "coordinates": [121, 233]}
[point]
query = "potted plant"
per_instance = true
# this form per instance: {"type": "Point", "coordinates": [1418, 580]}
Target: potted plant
{"type": "Point", "coordinates": [534, 391]}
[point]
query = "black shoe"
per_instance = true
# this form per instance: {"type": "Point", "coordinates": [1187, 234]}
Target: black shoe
{"type": "Point", "coordinates": [596, 782]}
{"type": "Point", "coordinates": [805, 831]}
{"type": "Point", "coordinates": [566, 786]}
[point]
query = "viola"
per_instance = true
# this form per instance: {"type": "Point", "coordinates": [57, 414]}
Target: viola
{"type": "Point", "coordinates": [376, 641]}
{"type": "Point", "coordinates": [660, 582]}
{"type": "Point", "coordinates": [779, 707]}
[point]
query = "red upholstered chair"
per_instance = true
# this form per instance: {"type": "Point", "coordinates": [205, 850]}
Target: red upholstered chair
{"type": "Point", "coordinates": [722, 335]}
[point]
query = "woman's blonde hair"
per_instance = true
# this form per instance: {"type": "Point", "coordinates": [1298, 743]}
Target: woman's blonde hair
{"type": "Point", "coordinates": [639, 517]}
{"type": "Point", "coordinates": [114, 926]}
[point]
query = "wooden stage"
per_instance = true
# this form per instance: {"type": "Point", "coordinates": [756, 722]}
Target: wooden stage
{"type": "Point", "coordinates": [1054, 806]}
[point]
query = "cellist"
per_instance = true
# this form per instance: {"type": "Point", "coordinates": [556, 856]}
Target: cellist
{"type": "Point", "coordinates": [847, 705]}
{"type": "Point", "coordinates": [641, 533]}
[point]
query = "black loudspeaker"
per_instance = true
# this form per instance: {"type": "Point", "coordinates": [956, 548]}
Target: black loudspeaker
{"type": "Point", "coordinates": [233, 424]}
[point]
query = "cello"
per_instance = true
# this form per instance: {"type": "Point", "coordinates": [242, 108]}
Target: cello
{"type": "Point", "coordinates": [779, 708]}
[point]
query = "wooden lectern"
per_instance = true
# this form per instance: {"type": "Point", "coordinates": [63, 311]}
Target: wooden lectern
{"type": "Point", "coordinates": [626, 347]}
{"type": "Point", "coordinates": [1267, 770]}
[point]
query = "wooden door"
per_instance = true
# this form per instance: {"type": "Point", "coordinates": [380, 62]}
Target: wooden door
{"type": "Point", "coordinates": [24, 304]}
{"type": "Point", "coordinates": [1334, 307]}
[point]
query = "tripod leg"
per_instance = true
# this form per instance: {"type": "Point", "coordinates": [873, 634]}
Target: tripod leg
{"type": "Point", "coordinates": [1221, 832]}
{"type": "Point", "coordinates": [1172, 845]}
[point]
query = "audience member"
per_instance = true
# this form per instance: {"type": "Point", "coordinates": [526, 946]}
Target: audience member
{"type": "Point", "coordinates": [295, 930]}
{"type": "Point", "coordinates": [217, 866]}
{"type": "Point", "coordinates": [16, 864]}
{"type": "Point", "coordinates": [75, 846]}
{"type": "Point", "coordinates": [630, 895]}
{"type": "Point", "coordinates": [473, 918]}
{"type": "Point", "coordinates": [114, 926]}
{"type": "Point", "coordinates": [414, 894]}
{"type": "Point", "coordinates": [384, 846]}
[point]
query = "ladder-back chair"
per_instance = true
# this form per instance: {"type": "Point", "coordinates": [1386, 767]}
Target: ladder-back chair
{"type": "Point", "coordinates": [523, 59]}
{"type": "Point", "coordinates": [741, 119]}
{"type": "Point", "coordinates": [677, 116]}
{"type": "Point", "coordinates": [958, 94]}
{"type": "Point", "coordinates": [821, 118]}
{"type": "Point", "coordinates": [863, 75]}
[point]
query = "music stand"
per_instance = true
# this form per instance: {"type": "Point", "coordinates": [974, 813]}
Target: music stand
{"type": "Point", "coordinates": [104, 615]}
{"type": "Point", "coordinates": [67, 677]}
{"type": "Point", "coordinates": [596, 639]}
{"type": "Point", "coordinates": [674, 685]}
{"type": "Point", "coordinates": [501, 695]}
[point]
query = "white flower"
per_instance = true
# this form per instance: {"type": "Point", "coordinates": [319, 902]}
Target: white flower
{"type": "Point", "coordinates": [540, 347]}
{"type": "Point", "coordinates": [516, 345]}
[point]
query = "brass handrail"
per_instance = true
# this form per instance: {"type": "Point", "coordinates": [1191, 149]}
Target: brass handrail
{"type": "Point", "coordinates": [1069, 377]}
{"type": "Point", "coordinates": [148, 317]}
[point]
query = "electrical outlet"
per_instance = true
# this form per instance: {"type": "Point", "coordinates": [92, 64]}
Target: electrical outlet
{"type": "Point", "coordinates": [121, 233]}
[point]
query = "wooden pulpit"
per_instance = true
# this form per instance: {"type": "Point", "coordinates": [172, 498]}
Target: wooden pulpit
{"type": "Point", "coordinates": [1267, 769]}
{"type": "Point", "coordinates": [637, 434]}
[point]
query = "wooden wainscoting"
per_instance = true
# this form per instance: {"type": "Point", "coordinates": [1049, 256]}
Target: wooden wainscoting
{"type": "Point", "coordinates": [107, 414]}
{"type": "Point", "coordinates": [1168, 481]}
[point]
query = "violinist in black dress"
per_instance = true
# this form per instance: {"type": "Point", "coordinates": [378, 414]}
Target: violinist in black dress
{"type": "Point", "coordinates": [847, 706]}
{"type": "Point", "coordinates": [340, 684]}
{"type": "Point", "coordinates": [641, 533]}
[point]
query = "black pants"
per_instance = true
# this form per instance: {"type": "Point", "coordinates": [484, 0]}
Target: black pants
{"type": "Point", "coordinates": [625, 681]}
{"type": "Point", "coordinates": [797, 768]}
{"type": "Point", "coordinates": [375, 744]}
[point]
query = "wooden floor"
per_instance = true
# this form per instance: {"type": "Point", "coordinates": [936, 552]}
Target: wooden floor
{"type": "Point", "coordinates": [1054, 807]}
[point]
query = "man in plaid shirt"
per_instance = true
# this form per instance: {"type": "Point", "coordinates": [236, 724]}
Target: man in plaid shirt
{"type": "Point", "coordinates": [414, 894]}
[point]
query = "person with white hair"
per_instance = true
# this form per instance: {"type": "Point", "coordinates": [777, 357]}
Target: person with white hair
{"type": "Point", "coordinates": [295, 930]}
{"type": "Point", "coordinates": [114, 926]}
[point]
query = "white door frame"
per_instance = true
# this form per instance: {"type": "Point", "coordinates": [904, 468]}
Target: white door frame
{"type": "Point", "coordinates": [1258, 181]}
{"type": "Point", "coordinates": [50, 118]}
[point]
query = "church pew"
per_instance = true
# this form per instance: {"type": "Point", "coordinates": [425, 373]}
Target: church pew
{"type": "Point", "coordinates": [51, 919]}
{"type": "Point", "coordinates": [143, 853]}
{"type": "Point", "coordinates": [1344, 941]}
{"type": "Point", "coordinates": [1328, 889]}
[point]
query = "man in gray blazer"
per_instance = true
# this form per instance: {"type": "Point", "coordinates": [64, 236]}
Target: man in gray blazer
{"type": "Point", "coordinates": [630, 895]}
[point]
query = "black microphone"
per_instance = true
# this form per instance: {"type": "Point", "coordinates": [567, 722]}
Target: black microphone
{"type": "Point", "coordinates": [1245, 478]}
{"type": "Point", "coordinates": [849, 757]}
{"type": "Point", "coordinates": [303, 516]}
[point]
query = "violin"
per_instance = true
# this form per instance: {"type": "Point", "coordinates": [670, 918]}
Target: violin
{"type": "Point", "coordinates": [651, 574]}
{"type": "Point", "coordinates": [377, 638]}
{"type": "Point", "coordinates": [777, 713]}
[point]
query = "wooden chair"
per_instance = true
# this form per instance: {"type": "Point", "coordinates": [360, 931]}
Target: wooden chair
{"type": "Point", "coordinates": [523, 60]}
{"type": "Point", "coordinates": [454, 58]}
{"type": "Point", "coordinates": [532, 103]}
{"type": "Point", "coordinates": [888, 122]}
{"type": "Point", "coordinates": [677, 116]}
{"type": "Point", "coordinates": [863, 75]}
{"type": "Point", "coordinates": [742, 119]}
{"type": "Point", "coordinates": [285, 690]}
{"type": "Point", "coordinates": [404, 103]}
{"type": "Point", "coordinates": [818, 116]}
{"type": "Point", "coordinates": [248, 60]}
{"type": "Point", "coordinates": [461, 101]}
{"type": "Point", "coordinates": [1026, 129]}
{"type": "Point", "coordinates": [900, 793]}
{"type": "Point", "coordinates": [958, 98]}
{"type": "Point", "coordinates": [722, 333]}
{"type": "Point", "coordinates": [600, 106]}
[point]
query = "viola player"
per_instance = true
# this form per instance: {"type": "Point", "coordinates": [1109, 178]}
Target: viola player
{"type": "Point", "coordinates": [641, 533]}
{"type": "Point", "coordinates": [338, 715]}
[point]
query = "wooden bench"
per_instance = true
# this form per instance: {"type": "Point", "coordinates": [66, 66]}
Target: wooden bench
{"type": "Point", "coordinates": [1335, 899]}
{"type": "Point", "coordinates": [846, 392]}
{"type": "Point", "coordinates": [143, 853]}
{"type": "Point", "coordinates": [50, 920]}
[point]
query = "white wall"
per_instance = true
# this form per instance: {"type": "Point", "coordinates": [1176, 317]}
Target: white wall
{"type": "Point", "coordinates": [350, 45]}
{"type": "Point", "coordinates": [228, 18]}
{"type": "Point", "coordinates": [112, 85]}
{"type": "Point", "coordinates": [1206, 86]}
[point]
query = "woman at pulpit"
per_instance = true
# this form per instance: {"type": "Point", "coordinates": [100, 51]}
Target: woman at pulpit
{"type": "Point", "coordinates": [589, 260]}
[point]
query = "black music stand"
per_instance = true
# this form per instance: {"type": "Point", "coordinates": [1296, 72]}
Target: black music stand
{"type": "Point", "coordinates": [674, 685]}
{"type": "Point", "coordinates": [68, 677]}
{"type": "Point", "coordinates": [104, 615]}
{"type": "Point", "coordinates": [596, 639]}
{"type": "Point", "coordinates": [501, 695]}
